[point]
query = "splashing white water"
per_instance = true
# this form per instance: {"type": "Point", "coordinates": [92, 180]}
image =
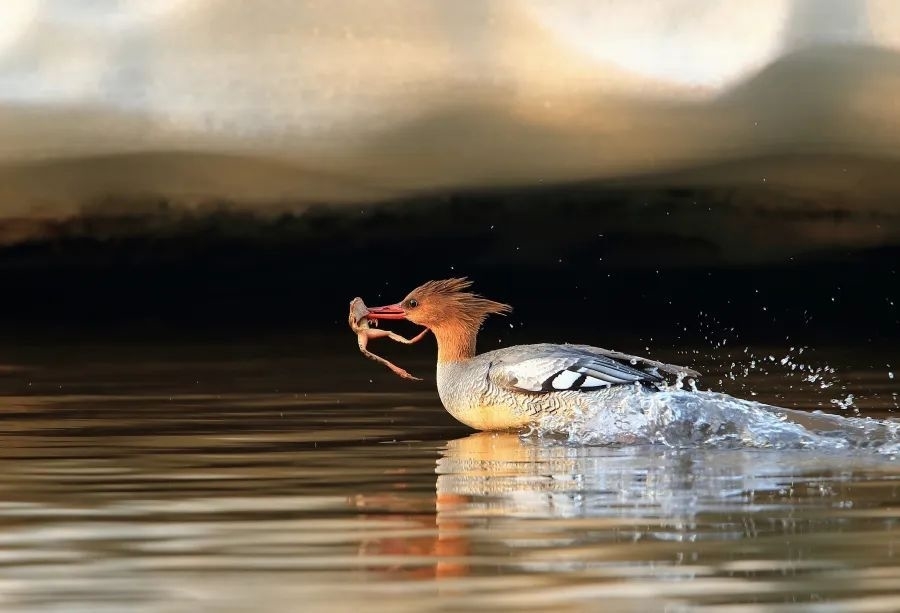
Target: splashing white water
{"type": "Point", "coordinates": [742, 365]}
{"type": "Point", "coordinates": [678, 417]}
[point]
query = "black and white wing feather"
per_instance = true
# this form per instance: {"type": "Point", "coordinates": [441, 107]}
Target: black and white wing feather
{"type": "Point", "coordinates": [556, 368]}
{"type": "Point", "coordinates": [638, 361]}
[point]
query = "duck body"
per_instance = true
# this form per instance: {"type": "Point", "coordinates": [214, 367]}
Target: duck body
{"type": "Point", "coordinates": [514, 387]}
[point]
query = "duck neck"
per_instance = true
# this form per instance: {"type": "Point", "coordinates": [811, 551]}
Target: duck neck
{"type": "Point", "coordinates": [456, 342]}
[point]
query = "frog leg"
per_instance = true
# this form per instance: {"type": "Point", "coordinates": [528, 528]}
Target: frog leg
{"type": "Point", "coordinates": [406, 341]}
{"type": "Point", "coordinates": [397, 370]}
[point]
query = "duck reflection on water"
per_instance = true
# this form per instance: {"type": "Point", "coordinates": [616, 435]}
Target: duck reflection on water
{"type": "Point", "coordinates": [543, 504]}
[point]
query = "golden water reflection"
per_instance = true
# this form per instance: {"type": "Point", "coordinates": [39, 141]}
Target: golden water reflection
{"type": "Point", "coordinates": [132, 487]}
{"type": "Point", "coordinates": [652, 525]}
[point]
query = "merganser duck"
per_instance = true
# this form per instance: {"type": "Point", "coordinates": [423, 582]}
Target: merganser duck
{"type": "Point", "coordinates": [515, 386]}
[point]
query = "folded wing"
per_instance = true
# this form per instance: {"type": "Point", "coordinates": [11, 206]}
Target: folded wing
{"type": "Point", "coordinates": [556, 368]}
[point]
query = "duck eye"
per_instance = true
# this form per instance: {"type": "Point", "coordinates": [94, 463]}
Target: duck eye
{"type": "Point", "coordinates": [413, 303]}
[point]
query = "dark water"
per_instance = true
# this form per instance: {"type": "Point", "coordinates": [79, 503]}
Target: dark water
{"type": "Point", "coordinates": [234, 478]}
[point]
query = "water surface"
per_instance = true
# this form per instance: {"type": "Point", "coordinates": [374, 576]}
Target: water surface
{"type": "Point", "coordinates": [230, 479]}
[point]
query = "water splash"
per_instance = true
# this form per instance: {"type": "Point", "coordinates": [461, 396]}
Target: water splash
{"type": "Point", "coordinates": [679, 417]}
{"type": "Point", "coordinates": [741, 366]}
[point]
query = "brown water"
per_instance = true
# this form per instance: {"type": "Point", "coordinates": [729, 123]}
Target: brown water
{"type": "Point", "coordinates": [233, 480]}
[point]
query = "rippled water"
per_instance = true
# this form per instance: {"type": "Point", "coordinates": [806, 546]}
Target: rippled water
{"type": "Point", "coordinates": [235, 480]}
